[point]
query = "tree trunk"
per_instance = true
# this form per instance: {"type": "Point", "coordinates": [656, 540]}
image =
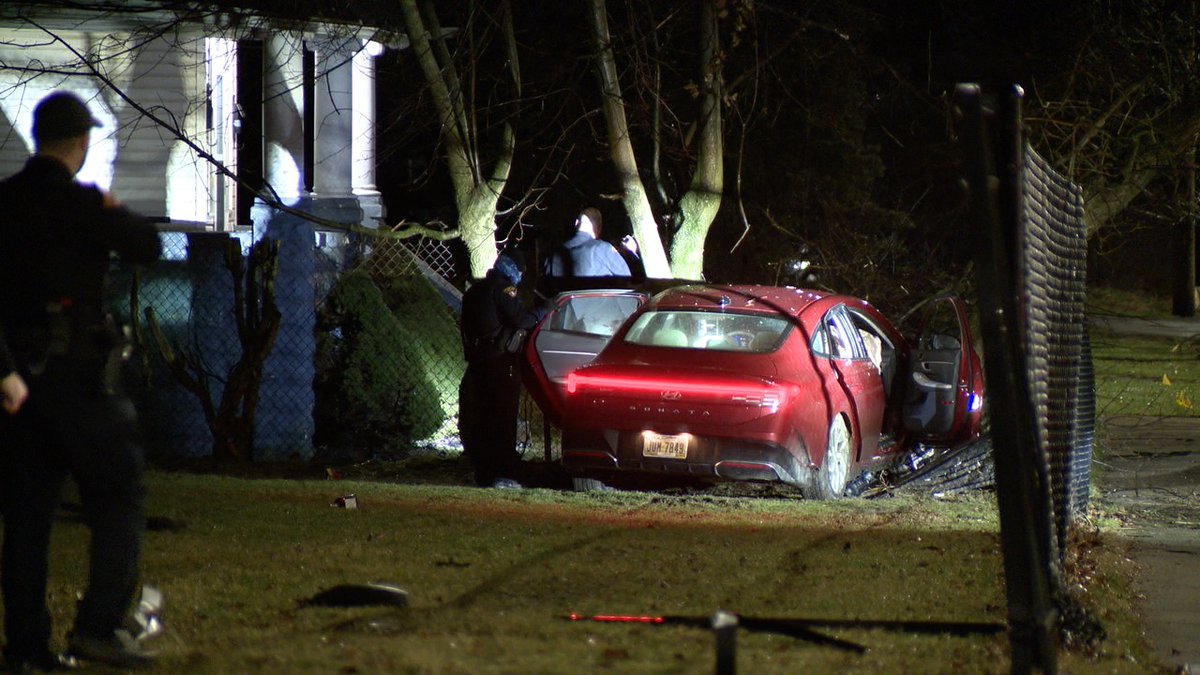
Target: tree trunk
{"type": "Point", "coordinates": [637, 204]}
{"type": "Point", "coordinates": [477, 211]}
{"type": "Point", "coordinates": [1185, 250]}
{"type": "Point", "coordinates": [475, 196]}
{"type": "Point", "coordinates": [698, 208]}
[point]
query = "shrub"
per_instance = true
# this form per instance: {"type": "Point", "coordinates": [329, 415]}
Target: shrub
{"type": "Point", "coordinates": [373, 391]}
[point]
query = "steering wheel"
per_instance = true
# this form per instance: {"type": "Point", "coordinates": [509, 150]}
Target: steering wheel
{"type": "Point", "coordinates": [741, 338]}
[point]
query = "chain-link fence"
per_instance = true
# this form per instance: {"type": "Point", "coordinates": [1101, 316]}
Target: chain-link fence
{"type": "Point", "coordinates": [417, 361]}
{"type": "Point", "coordinates": [366, 361]}
{"type": "Point", "coordinates": [1031, 257]}
{"type": "Point", "coordinates": [1053, 264]}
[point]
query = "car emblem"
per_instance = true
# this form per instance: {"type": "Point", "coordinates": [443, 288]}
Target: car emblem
{"type": "Point", "coordinates": [670, 395]}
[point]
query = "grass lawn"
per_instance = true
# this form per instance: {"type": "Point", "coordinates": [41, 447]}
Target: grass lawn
{"type": "Point", "coordinates": [1127, 302]}
{"type": "Point", "coordinates": [492, 574]}
{"type": "Point", "coordinates": [1146, 376]}
{"type": "Point", "coordinates": [1142, 375]}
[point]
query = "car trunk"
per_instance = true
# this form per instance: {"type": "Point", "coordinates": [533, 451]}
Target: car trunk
{"type": "Point", "coordinates": [671, 398]}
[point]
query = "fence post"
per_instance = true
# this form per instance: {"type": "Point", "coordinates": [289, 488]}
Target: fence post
{"type": "Point", "coordinates": [994, 211]}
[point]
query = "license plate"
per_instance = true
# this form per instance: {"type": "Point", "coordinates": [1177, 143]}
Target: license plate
{"type": "Point", "coordinates": [664, 445]}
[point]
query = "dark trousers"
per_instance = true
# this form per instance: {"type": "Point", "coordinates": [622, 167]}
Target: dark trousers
{"type": "Point", "coordinates": [70, 426]}
{"type": "Point", "coordinates": [488, 401]}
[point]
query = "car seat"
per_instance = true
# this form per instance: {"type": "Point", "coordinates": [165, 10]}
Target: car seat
{"type": "Point", "coordinates": [669, 337]}
{"type": "Point", "coordinates": [718, 342]}
{"type": "Point", "coordinates": [763, 341]}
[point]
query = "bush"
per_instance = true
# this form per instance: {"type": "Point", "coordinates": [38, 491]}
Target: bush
{"type": "Point", "coordinates": [373, 390]}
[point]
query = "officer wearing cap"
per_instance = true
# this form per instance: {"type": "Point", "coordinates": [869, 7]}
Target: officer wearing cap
{"type": "Point", "coordinates": [493, 314]}
{"type": "Point", "coordinates": [58, 349]}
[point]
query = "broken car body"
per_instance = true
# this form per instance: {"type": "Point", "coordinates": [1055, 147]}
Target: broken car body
{"type": "Point", "coordinates": [757, 383]}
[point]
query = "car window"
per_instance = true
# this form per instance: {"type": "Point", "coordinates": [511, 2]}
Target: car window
{"type": "Point", "coordinates": [722, 331]}
{"type": "Point", "coordinates": [593, 314]}
{"type": "Point", "coordinates": [837, 338]}
{"type": "Point", "coordinates": [873, 337]}
{"type": "Point", "coordinates": [939, 327]}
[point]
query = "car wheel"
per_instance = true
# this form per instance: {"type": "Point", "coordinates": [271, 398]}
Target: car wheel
{"type": "Point", "coordinates": [835, 468]}
{"type": "Point", "coordinates": [589, 485]}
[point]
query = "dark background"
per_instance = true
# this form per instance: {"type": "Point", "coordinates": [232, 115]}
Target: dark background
{"type": "Point", "coordinates": [839, 127]}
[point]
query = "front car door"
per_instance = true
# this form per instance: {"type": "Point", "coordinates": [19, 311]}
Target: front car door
{"type": "Point", "coordinates": [944, 390]}
{"type": "Point", "coordinates": [580, 324]}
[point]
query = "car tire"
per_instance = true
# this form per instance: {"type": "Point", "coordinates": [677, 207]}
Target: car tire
{"type": "Point", "coordinates": [589, 485]}
{"type": "Point", "coordinates": [834, 473]}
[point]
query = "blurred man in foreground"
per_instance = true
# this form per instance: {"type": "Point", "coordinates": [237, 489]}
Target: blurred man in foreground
{"type": "Point", "coordinates": [59, 355]}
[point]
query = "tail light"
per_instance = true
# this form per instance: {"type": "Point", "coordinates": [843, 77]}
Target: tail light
{"type": "Point", "coordinates": [754, 394]}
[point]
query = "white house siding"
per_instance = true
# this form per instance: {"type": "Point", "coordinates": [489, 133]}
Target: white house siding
{"type": "Point", "coordinates": [38, 65]}
{"type": "Point", "coordinates": [156, 173]}
{"type": "Point", "coordinates": [131, 155]}
{"type": "Point", "coordinates": [148, 88]}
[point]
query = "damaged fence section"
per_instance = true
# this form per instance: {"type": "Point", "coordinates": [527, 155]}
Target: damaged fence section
{"type": "Point", "coordinates": [1031, 253]}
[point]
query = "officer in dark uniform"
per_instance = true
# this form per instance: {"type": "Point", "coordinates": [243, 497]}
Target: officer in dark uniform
{"type": "Point", "coordinates": [488, 397]}
{"type": "Point", "coordinates": [56, 237]}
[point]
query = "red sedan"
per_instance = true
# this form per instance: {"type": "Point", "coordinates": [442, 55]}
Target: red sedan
{"type": "Point", "coordinates": [757, 383]}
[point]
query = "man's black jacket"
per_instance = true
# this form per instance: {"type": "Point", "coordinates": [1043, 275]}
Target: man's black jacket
{"type": "Point", "coordinates": [56, 238]}
{"type": "Point", "coordinates": [489, 307]}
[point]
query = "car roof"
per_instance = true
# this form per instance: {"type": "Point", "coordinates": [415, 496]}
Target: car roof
{"type": "Point", "coordinates": [737, 297]}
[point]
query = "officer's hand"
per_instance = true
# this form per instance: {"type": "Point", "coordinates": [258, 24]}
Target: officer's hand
{"type": "Point", "coordinates": [13, 392]}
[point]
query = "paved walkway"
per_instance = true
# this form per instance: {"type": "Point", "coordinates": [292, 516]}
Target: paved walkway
{"type": "Point", "coordinates": [1149, 468]}
{"type": "Point", "coordinates": [1179, 328]}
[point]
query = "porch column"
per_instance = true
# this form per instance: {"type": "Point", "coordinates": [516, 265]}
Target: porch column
{"type": "Point", "coordinates": [333, 113]}
{"type": "Point", "coordinates": [363, 134]}
{"type": "Point", "coordinates": [283, 101]}
{"type": "Point", "coordinates": [284, 424]}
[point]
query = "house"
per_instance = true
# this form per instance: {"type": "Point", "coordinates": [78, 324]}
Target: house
{"type": "Point", "coordinates": [219, 123]}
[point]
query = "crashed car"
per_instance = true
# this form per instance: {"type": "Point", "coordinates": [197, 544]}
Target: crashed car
{"type": "Point", "coordinates": [749, 383]}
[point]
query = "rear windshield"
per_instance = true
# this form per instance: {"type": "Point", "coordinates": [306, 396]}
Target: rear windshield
{"type": "Point", "coordinates": [709, 330]}
{"type": "Point", "coordinates": [594, 314]}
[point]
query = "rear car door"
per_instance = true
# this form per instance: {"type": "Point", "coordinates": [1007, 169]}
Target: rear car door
{"type": "Point", "coordinates": [857, 376]}
{"type": "Point", "coordinates": [944, 389]}
{"type": "Point", "coordinates": [570, 336]}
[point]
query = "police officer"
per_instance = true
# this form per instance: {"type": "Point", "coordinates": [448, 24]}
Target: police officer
{"type": "Point", "coordinates": [58, 347]}
{"type": "Point", "coordinates": [489, 394]}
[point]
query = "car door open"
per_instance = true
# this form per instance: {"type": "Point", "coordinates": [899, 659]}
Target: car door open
{"type": "Point", "coordinates": [580, 324]}
{"type": "Point", "coordinates": [942, 393]}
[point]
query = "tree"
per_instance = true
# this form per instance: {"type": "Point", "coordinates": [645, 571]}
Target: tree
{"type": "Point", "coordinates": [231, 417]}
{"type": "Point", "coordinates": [697, 208]}
{"type": "Point", "coordinates": [1123, 123]}
{"type": "Point", "coordinates": [1118, 120]}
{"type": "Point", "coordinates": [477, 190]}
{"type": "Point", "coordinates": [637, 203]}
{"type": "Point", "coordinates": [835, 163]}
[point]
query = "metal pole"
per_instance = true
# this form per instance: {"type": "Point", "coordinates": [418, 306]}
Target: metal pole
{"type": "Point", "coordinates": [724, 626]}
{"type": "Point", "coordinates": [995, 204]}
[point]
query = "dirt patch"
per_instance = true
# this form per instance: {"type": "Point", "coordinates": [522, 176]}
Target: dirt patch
{"type": "Point", "coordinates": [1148, 474]}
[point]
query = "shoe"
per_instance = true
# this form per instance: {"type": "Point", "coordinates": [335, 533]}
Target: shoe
{"type": "Point", "coordinates": [46, 663]}
{"type": "Point", "coordinates": [507, 484]}
{"type": "Point", "coordinates": [119, 649]}
{"type": "Point", "coordinates": [144, 622]}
